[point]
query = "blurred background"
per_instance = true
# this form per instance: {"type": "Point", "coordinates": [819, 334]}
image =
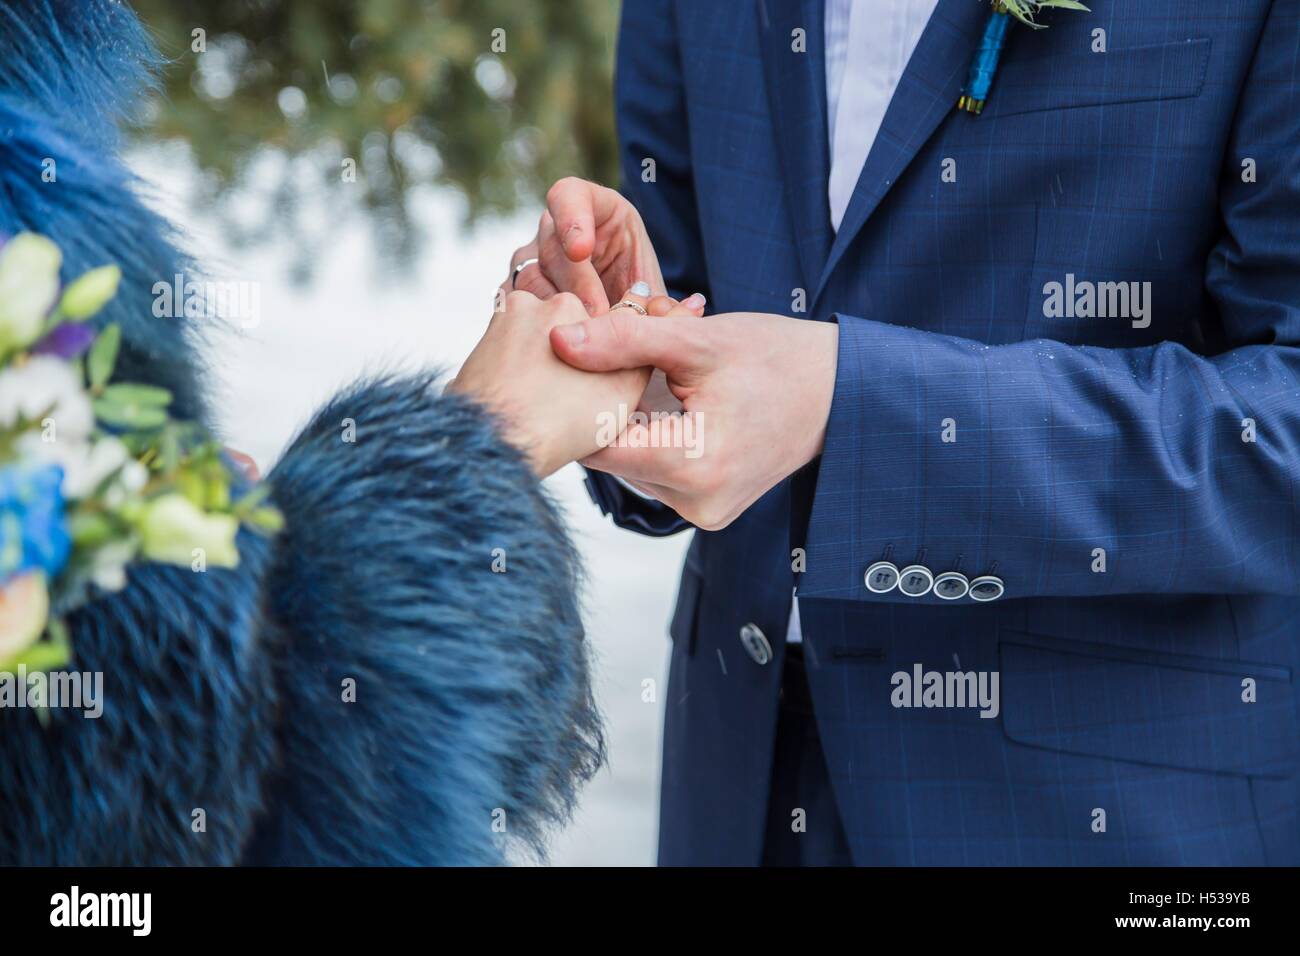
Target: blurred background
{"type": "Point", "coordinates": [372, 165]}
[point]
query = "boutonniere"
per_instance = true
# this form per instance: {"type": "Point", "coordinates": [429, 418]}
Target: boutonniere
{"type": "Point", "coordinates": [985, 65]}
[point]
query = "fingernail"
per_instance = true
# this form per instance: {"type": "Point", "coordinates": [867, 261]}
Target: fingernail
{"type": "Point", "coordinates": [695, 301]}
{"type": "Point", "coordinates": [575, 335]}
{"type": "Point", "coordinates": [640, 288]}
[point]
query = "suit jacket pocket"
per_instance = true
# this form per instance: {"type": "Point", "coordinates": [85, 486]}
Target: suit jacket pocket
{"type": "Point", "coordinates": [1170, 710]}
{"type": "Point", "coordinates": [1164, 71]}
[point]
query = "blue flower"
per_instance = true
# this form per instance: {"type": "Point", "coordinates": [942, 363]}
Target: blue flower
{"type": "Point", "coordinates": [33, 535]}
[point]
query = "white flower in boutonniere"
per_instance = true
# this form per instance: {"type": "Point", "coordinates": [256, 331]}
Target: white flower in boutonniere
{"type": "Point", "coordinates": [985, 65]}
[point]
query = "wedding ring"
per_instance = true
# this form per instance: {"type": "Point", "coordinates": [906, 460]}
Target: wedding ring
{"type": "Point", "coordinates": [514, 276]}
{"type": "Point", "coordinates": [636, 307]}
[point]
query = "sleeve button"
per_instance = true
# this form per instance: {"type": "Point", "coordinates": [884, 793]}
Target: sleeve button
{"type": "Point", "coordinates": [915, 580]}
{"type": "Point", "coordinates": [881, 577]}
{"type": "Point", "coordinates": [951, 585]}
{"type": "Point", "coordinates": [987, 588]}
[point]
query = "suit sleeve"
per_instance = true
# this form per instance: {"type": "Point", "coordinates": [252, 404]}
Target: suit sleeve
{"type": "Point", "coordinates": [651, 103]}
{"type": "Point", "coordinates": [1089, 471]}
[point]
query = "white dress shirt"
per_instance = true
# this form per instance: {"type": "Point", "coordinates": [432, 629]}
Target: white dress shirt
{"type": "Point", "coordinates": [868, 44]}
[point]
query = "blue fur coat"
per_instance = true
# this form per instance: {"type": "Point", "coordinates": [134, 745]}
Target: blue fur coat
{"type": "Point", "coordinates": [224, 691]}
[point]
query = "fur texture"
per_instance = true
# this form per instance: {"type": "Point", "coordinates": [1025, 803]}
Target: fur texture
{"type": "Point", "coordinates": [225, 691]}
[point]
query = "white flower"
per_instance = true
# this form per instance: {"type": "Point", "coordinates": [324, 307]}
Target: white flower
{"type": "Point", "coordinates": [132, 479]}
{"type": "Point", "coordinates": [29, 284]}
{"type": "Point", "coordinates": [86, 466]}
{"type": "Point", "coordinates": [108, 565]}
{"type": "Point", "coordinates": [172, 527]}
{"type": "Point", "coordinates": [46, 387]}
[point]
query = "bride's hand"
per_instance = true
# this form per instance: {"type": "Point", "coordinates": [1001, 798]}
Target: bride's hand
{"type": "Point", "coordinates": [549, 410]}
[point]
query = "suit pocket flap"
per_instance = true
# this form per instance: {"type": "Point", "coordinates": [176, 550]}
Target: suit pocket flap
{"type": "Point", "coordinates": [1161, 72]}
{"type": "Point", "coordinates": [1165, 709]}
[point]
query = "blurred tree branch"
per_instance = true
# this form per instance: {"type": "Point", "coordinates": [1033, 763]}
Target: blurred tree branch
{"type": "Point", "coordinates": [495, 98]}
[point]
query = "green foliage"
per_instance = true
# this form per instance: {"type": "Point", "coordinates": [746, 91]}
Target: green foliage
{"type": "Point", "coordinates": [1024, 10]}
{"type": "Point", "coordinates": [411, 91]}
{"type": "Point", "coordinates": [103, 356]}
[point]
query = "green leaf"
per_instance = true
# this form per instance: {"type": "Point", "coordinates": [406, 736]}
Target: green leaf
{"type": "Point", "coordinates": [103, 356]}
{"type": "Point", "coordinates": [47, 655]}
{"type": "Point", "coordinates": [192, 487]}
{"type": "Point", "coordinates": [253, 499]}
{"type": "Point", "coordinates": [216, 492]}
{"type": "Point", "coordinates": [129, 414]}
{"type": "Point", "coordinates": [148, 395]}
{"type": "Point", "coordinates": [169, 446]}
{"type": "Point", "coordinates": [268, 519]}
{"type": "Point", "coordinates": [89, 293]}
{"type": "Point", "coordinates": [1024, 10]}
{"type": "Point", "coordinates": [90, 530]}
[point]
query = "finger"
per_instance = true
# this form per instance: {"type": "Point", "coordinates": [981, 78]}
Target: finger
{"type": "Point", "coordinates": [531, 279]}
{"type": "Point", "coordinates": [623, 339]}
{"type": "Point", "coordinates": [661, 305]}
{"type": "Point", "coordinates": [633, 458]}
{"type": "Point", "coordinates": [565, 309]}
{"type": "Point", "coordinates": [580, 278]}
{"type": "Point", "coordinates": [667, 305]}
{"type": "Point", "coordinates": [523, 254]}
{"type": "Point", "coordinates": [638, 295]}
{"type": "Point", "coordinates": [577, 206]}
{"type": "Point", "coordinates": [657, 396]}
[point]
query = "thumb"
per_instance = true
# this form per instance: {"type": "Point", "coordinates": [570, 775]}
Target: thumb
{"type": "Point", "coordinates": [623, 339]}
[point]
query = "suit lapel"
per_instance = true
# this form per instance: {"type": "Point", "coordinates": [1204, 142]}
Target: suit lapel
{"type": "Point", "coordinates": [926, 94]}
{"type": "Point", "coordinates": [796, 89]}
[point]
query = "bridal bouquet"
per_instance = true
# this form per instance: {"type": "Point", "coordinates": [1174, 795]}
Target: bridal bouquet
{"type": "Point", "coordinates": [94, 473]}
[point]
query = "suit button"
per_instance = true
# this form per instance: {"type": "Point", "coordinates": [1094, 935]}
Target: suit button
{"type": "Point", "coordinates": [881, 577]}
{"type": "Point", "coordinates": [951, 585]}
{"type": "Point", "coordinates": [756, 643]}
{"type": "Point", "coordinates": [986, 588]}
{"type": "Point", "coordinates": [915, 580]}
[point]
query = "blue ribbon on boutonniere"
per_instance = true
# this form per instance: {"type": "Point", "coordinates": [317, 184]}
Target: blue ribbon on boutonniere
{"type": "Point", "coordinates": [984, 67]}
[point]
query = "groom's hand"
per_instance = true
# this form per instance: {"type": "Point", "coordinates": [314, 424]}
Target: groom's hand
{"type": "Point", "coordinates": [757, 389]}
{"type": "Point", "coordinates": [590, 242]}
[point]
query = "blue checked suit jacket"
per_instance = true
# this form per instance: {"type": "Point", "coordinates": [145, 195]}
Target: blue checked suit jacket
{"type": "Point", "coordinates": [1147, 640]}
